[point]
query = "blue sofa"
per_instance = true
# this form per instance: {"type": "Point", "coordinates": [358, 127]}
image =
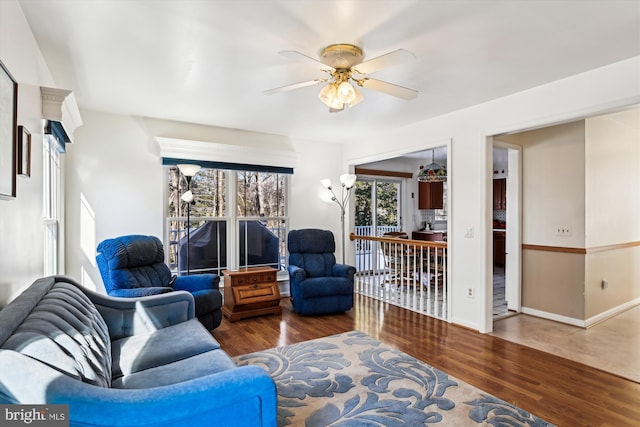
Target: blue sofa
{"type": "Point", "coordinates": [124, 361]}
{"type": "Point", "coordinates": [318, 284]}
{"type": "Point", "coordinates": [133, 266]}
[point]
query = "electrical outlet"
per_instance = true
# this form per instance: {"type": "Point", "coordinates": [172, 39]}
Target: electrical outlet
{"type": "Point", "coordinates": [470, 292]}
{"type": "Point", "coordinates": [563, 231]}
{"type": "Point", "coordinates": [468, 233]}
{"type": "Point", "coordinates": [604, 284]}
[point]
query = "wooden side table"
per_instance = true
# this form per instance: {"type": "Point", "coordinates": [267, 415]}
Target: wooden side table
{"type": "Point", "coordinates": [250, 292]}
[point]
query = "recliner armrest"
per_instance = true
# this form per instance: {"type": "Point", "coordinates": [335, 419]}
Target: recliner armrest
{"type": "Point", "coordinates": [197, 282]}
{"type": "Point", "coordinates": [343, 270]}
{"type": "Point", "coordinates": [296, 274]}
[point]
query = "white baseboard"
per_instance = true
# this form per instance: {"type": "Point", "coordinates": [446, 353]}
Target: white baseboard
{"type": "Point", "coordinates": [554, 317]}
{"type": "Point", "coordinates": [582, 323]}
{"type": "Point", "coordinates": [612, 312]}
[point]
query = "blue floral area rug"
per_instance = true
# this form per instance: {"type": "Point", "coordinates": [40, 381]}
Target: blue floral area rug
{"type": "Point", "coordinates": [352, 379]}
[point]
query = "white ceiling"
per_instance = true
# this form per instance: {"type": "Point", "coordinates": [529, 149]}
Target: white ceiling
{"type": "Point", "coordinates": [209, 61]}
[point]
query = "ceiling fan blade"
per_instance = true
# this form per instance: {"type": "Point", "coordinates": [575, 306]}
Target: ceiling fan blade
{"type": "Point", "coordinates": [389, 88]}
{"type": "Point", "coordinates": [396, 57]}
{"type": "Point", "coordinates": [294, 54]}
{"type": "Point", "coordinates": [294, 86]}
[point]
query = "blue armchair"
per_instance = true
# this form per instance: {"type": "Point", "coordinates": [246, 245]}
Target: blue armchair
{"type": "Point", "coordinates": [133, 266]}
{"type": "Point", "coordinates": [318, 285]}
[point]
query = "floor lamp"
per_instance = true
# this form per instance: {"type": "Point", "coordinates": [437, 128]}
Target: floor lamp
{"type": "Point", "coordinates": [347, 181]}
{"type": "Point", "coordinates": [188, 171]}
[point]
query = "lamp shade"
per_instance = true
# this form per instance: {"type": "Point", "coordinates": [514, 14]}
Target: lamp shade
{"type": "Point", "coordinates": [329, 96]}
{"type": "Point", "coordinates": [348, 180]}
{"type": "Point", "coordinates": [433, 172]}
{"type": "Point", "coordinates": [187, 196]}
{"type": "Point", "coordinates": [357, 98]}
{"type": "Point", "coordinates": [346, 92]}
{"type": "Point", "coordinates": [326, 183]}
{"type": "Point", "coordinates": [189, 169]}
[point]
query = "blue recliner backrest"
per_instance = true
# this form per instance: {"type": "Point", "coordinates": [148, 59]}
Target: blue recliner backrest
{"type": "Point", "coordinates": [312, 250]}
{"type": "Point", "coordinates": [132, 261]}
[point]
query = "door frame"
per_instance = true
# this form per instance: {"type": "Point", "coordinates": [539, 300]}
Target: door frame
{"type": "Point", "coordinates": [513, 246]}
{"type": "Point", "coordinates": [514, 231]}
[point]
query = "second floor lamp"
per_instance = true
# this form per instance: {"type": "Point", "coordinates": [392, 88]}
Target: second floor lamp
{"type": "Point", "coordinates": [347, 182]}
{"type": "Point", "coordinates": [188, 170]}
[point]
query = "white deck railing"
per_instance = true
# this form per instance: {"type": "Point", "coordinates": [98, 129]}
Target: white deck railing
{"type": "Point", "coordinates": [408, 273]}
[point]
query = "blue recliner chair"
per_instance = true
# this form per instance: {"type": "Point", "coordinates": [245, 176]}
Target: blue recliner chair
{"type": "Point", "coordinates": [317, 284]}
{"type": "Point", "coordinates": [133, 266]}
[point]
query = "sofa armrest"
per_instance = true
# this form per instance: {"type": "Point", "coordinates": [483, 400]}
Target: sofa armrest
{"type": "Point", "coordinates": [140, 292]}
{"type": "Point", "coordinates": [197, 282]}
{"type": "Point", "coordinates": [129, 316]}
{"type": "Point", "coordinates": [296, 274]}
{"type": "Point", "coordinates": [343, 270]}
{"type": "Point", "coordinates": [247, 392]}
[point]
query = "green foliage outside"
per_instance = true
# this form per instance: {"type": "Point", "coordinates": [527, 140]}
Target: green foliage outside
{"type": "Point", "coordinates": [387, 206]}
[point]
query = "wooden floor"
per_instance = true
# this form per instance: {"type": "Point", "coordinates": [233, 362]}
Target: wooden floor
{"type": "Point", "coordinates": [558, 390]}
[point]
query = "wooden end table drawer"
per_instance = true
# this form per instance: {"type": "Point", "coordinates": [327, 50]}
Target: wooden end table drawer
{"type": "Point", "coordinates": [247, 294]}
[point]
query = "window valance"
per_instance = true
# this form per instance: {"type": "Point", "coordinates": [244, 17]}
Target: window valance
{"type": "Point", "coordinates": [226, 156]}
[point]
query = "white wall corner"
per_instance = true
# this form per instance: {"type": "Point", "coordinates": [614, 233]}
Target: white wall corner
{"type": "Point", "coordinates": [60, 105]}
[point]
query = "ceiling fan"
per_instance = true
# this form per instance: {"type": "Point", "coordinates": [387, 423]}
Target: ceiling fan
{"type": "Point", "coordinates": [343, 63]}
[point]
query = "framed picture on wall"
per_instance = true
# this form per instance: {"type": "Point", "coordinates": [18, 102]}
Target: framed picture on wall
{"type": "Point", "coordinates": [8, 128]}
{"type": "Point", "coordinates": [24, 151]}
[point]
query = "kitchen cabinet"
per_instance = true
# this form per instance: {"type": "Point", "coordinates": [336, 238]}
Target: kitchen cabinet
{"type": "Point", "coordinates": [430, 195]}
{"type": "Point", "coordinates": [500, 194]}
{"type": "Point", "coordinates": [499, 248]}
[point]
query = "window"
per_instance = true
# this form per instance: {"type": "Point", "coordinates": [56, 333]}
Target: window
{"type": "Point", "coordinates": [377, 206]}
{"type": "Point", "coordinates": [51, 203]}
{"type": "Point", "coordinates": [249, 205]}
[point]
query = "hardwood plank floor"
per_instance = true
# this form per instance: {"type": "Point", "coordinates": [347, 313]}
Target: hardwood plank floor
{"type": "Point", "coordinates": [561, 391]}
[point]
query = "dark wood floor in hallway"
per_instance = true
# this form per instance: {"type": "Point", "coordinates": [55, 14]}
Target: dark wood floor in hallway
{"type": "Point", "coordinates": [558, 390]}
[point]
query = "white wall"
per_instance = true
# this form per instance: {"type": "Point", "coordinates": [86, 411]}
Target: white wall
{"type": "Point", "coordinates": [21, 248]}
{"type": "Point", "coordinates": [470, 171]}
{"type": "Point", "coordinates": [113, 187]}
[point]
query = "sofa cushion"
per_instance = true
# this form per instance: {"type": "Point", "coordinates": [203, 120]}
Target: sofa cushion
{"type": "Point", "coordinates": [65, 331]}
{"type": "Point", "coordinates": [163, 346]}
{"type": "Point", "coordinates": [196, 366]}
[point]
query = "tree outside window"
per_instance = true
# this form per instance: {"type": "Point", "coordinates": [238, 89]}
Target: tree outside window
{"type": "Point", "coordinates": [257, 222]}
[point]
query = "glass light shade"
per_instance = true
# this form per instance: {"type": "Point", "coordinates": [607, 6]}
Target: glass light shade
{"type": "Point", "coordinates": [326, 183]}
{"type": "Point", "coordinates": [346, 93]}
{"type": "Point", "coordinates": [348, 180]}
{"type": "Point", "coordinates": [187, 196]}
{"type": "Point", "coordinates": [357, 99]}
{"type": "Point", "coordinates": [433, 172]}
{"type": "Point", "coordinates": [329, 94]}
{"type": "Point", "coordinates": [189, 169]}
